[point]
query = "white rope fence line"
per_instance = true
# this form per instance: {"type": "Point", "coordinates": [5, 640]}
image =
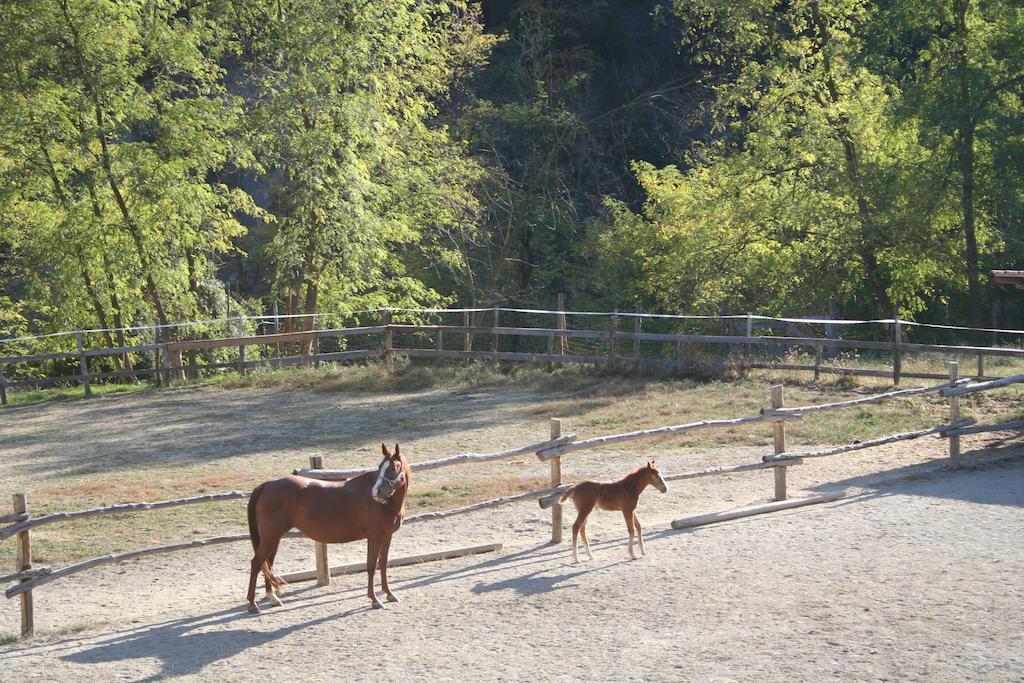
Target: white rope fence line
{"type": "Point", "coordinates": [534, 311]}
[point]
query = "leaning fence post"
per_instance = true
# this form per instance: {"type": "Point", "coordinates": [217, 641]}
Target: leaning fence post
{"type": "Point", "coordinates": [779, 429]}
{"type": "Point", "coordinates": [83, 365]}
{"type": "Point", "coordinates": [562, 323]}
{"type": "Point", "coordinates": [954, 417]}
{"type": "Point", "coordinates": [556, 480]}
{"type": "Point", "coordinates": [323, 568]}
{"type": "Point", "coordinates": [23, 562]}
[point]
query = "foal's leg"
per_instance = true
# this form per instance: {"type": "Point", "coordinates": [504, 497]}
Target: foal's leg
{"type": "Point", "coordinates": [639, 533]}
{"type": "Point", "coordinates": [586, 540]}
{"type": "Point", "coordinates": [384, 548]}
{"type": "Point", "coordinates": [583, 509]}
{"type": "Point", "coordinates": [628, 514]}
{"type": "Point", "coordinates": [373, 546]}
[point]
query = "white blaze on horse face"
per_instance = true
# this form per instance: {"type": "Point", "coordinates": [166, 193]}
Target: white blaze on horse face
{"type": "Point", "coordinates": [375, 492]}
{"type": "Point", "coordinates": [662, 486]}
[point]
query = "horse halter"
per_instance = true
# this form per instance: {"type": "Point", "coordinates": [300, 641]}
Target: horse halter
{"type": "Point", "coordinates": [390, 484]}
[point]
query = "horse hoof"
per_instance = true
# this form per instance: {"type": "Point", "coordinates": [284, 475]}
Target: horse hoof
{"type": "Point", "coordinates": [378, 605]}
{"type": "Point", "coordinates": [254, 609]}
{"type": "Point", "coordinates": [393, 598]}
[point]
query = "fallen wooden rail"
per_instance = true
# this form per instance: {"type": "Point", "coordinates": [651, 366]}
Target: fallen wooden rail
{"type": "Point", "coordinates": [555, 451]}
{"type": "Point", "coordinates": [878, 398]}
{"type": "Point", "coordinates": [700, 520]}
{"type": "Point", "coordinates": [549, 500]}
{"type": "Point", "coordinates": [983, 386]}
{"type": "Point", "coordinates": [129, 555]}
{"type": "Point", "coordinates": [953, 430]}
{"type": "Point", "coordinates": [32, 522]}
{"type": "Point", "coordinates": [493, 502]}
{"type": "Point", "coordinates": [892, 438]}
{"type": "Point", "coordinates": [358, 567]}
{"type": "Point", "coordinates": [25, 574]}
{"type": "Point", "coordinates": [341, 475]}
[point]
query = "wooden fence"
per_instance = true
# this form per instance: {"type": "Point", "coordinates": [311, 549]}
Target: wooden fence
{"type": "Point", "coordinates": [602, 343]}
{"type": "Point", "coordinates": [20, 522]}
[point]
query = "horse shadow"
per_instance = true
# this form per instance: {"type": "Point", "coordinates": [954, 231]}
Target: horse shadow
{"type": "Point", "coordinates": [186, 646]}
{"type": "Point", "coordinates": [988, 476]}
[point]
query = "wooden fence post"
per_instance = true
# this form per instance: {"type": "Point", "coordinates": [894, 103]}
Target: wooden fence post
{"type": "Point", "coordinates": [750, 333]}
{"type": "Point", "coordinates": [954, 416]}
{"type": "Point", "coordinates": [637, 326]}
{"type": "Point", "coordinates": [23, 562]}
{"type": "Point", "coordinates": [157, 361]}
{"type": "Point", "coordinates": [981, 367]}
{"type": "Point", "coordinates": [496, 335]}
{"type": "Point", "coordinates": [389, 354]}
{"type": "Point", "coordinates": [3, 386]}
{"type": "Point", "coordinates": [897, 354]}
{"type": "Point", "coordinates": [83, 365]}
{"type": "Point", "coordinates": [611, 338]}
{"type": "Point", "coordinates": [240, 332]}
{"type": "Point", "coordinates": [467, 339]}
{"type": "Point", "coordinates": [562, 324]}
{"type": "Point", "coordinates": [323, 567]}
{"type": "Point", "coordinates": [818, 352]}
{"type": "Point", "coordinates": [556, 480]}
{"type": "Point", "coordinates": [779, 429]}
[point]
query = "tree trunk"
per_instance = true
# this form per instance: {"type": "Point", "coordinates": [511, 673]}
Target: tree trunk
{"type": "Point", "coordinates": [840, 122]}
{"type": "Point", "coordinates": [107, 165]}
{"type": "Point", "coordinates": [965, 153]}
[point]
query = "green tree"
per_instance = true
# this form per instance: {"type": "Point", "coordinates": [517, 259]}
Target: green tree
{"type": "Point", "coordinates": [813, 186]}
{"type": "Point", "coordinates": [363, 183]}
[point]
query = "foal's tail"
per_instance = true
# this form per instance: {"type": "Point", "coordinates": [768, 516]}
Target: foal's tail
{"type": "Point", "coordinates": [254, 529]}
{"type": "Point", "coordinates": [568, 494]}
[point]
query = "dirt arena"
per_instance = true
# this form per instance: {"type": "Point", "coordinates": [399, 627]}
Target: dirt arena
{"type": "Point", "coordinates": [915, 575]}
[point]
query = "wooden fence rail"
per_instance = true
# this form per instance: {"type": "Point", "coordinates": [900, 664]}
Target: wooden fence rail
{"type": "Point", "coordinates": [168, 365]}
{"type": "Point", "coordinates": [29, 578]}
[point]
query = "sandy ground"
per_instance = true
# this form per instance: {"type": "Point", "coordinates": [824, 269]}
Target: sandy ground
{"type": "Point", "coordinates": [915, 575]}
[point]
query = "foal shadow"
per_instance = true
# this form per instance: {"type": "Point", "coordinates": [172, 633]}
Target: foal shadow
{"type": "Point", "coordinates": [186, 646]}
{"type": "Point", "coordinates": [540, 581]}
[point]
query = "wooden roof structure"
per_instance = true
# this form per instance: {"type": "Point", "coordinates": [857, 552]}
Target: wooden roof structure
{"type": "Point", "coordinates": [1009, 277]}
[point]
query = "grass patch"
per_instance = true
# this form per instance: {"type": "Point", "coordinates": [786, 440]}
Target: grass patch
{"type": "Point", "coordinates": [594, 402]}
{"type": "Point", "coordinates": [32, 396]}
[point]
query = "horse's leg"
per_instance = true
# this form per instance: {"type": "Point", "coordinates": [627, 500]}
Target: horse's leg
{"type": "Point", "coordinates": [373, 545]}
{"type": "Point", "coordinates": [270, 580]}
{"type": "Point", "coordinates": [384, 548]}
{"type": "Point", "coordinates": [639, 533]}
{"type": "Point", "coordinates": [628, 514]}
{"type": "Point", "coordinates": [258, 559]}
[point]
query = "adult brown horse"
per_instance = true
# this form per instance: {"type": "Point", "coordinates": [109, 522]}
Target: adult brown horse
{"type": "Point", "coordinates": [616, 495]}
{"type": "Point", "coordinates": [369, 506]}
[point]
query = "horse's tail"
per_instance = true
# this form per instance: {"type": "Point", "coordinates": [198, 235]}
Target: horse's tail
{"type": "Point", "coordinates": [254, 529]}
{"type": "Point", "coordinates": [568, 493]}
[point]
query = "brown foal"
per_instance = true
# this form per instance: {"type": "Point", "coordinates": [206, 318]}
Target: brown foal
{"type": "Point", "coordinates": [617, 495]}
{"type": "Point", "coordinates": [369, 506]}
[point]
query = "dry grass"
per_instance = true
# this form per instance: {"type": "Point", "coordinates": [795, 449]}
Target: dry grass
{"type": "Point", "coordinates": [173, 463]}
